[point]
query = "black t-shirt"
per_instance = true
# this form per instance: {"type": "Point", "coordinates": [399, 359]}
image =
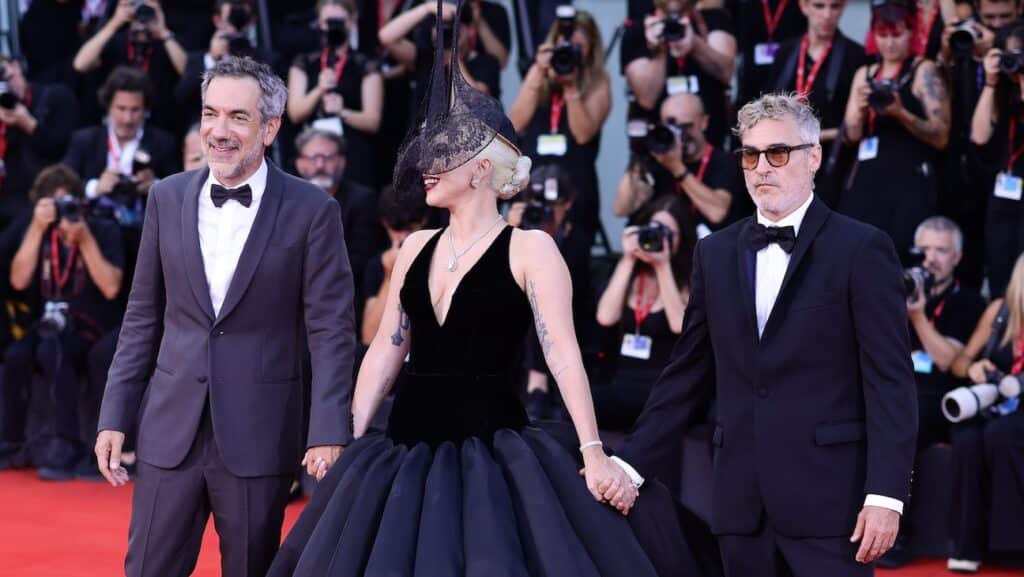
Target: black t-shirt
{"type": "Point", "coordinates": [722, 172]}
{"type": "Point", "coordinates": [751, 30]}
{"type": "Point", "coordinates": [157, 65]}
{"type": "Point", "coordinates": [955, 314]}
{"type": "Point", "coordinates": [683, 74]}
{"type": "Point", "coordinates": [93, 314]}
{"type": "Point", "coordinates": [496, 17]}
{"type": "Point", "coordinates": [480, 65]}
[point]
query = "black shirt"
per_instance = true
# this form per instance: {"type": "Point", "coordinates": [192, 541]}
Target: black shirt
{"type": "Point", "coordinates": [683, 74]}
{"type": "Point", "coordinates": [158, 67]}
{"type": "Point", "coordinates": [481, 65]}
{"type": "Point", "coordinates": [751, 30]}
{"type": "Point", "coordinates": [722, 172]}
{"type": "Point", "coordinates": [955, 314]}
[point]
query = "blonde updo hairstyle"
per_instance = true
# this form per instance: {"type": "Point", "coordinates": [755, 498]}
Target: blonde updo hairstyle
{"type": "Point", "coordinates": [510, 170]}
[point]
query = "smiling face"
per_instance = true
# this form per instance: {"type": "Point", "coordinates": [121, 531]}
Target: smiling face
{"type": "Point", "coordinates": [232, 130]}
{"type": "Point", "coordinates": [777, 191]}
{"type": "Point", "coordinates": [445, 188]}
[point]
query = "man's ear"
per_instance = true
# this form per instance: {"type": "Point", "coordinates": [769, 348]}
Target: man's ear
{"type": "Point", "coordinates": [270, 131]}
{"type": "Point", "coordinates": [814, 160]}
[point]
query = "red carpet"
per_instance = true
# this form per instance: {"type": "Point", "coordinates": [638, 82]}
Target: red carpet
{"type": "Point", "coordinates": [80, 529]}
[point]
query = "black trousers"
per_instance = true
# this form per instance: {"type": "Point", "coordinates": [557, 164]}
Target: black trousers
{"type": "Point", "coordinates": [170, 508]}
{"type": "Point", "coordinates": [768, 554]}
{"type": "Point", "coordinates": [1004, 241]}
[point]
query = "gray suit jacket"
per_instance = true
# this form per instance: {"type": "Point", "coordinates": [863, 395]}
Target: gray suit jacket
{"type": "Point", "coordinates": [293, 276]}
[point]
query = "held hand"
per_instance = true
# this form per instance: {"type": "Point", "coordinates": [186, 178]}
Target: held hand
{"type": "Point", "coordinates": [108, 180]}
{"type": "Point", "coordinates": [319, 459]}
{"type": "Point", "coordinates": [653, 27]}
{"type": "Point", "coordinates": [327, 80]}
{"type": "Point", "coordinates": [984, 39]}
{"type": "Point", "coordinates": [895, 109]}
{"type": "Point", "coordinates": [332, 103]}
{"type": "Point", "coordinates": [684, 45]}
{"type": "Point", "coordinates": [45, 214]}
{"type": "Point", "coordinates": [978, 371]}
{"type": "Point", "coordinates": [673, 159]}
{"type": "Point", "coordinates": [860, 95]}
{"type": "Point", "coordinates": [915, 306]}
{"type": "Point", "coordinates": [75, 233]}
{"type": "Point", "coordinates": [630, 246]}
{"type": "Point", "coordinates": [607, 482]}
{"type": "Point", "coordinates": [159, 24]}
{"type": "Point", "coordinates": [876, 530]}
{"type": "Point", "coordinates": [108, 457]}
{"type": "Point", "coordinates": [144, 179]}
{"type": "Point", "coordinates": [991, 65]}
{"type": "Point", "coordinates": [218, 46]}
{"type": "Point", "coordinates": [543, 57]}
{"type": "Point", "coordinates": [657, 260]}
{"type": "Point", "coordinates": [124, 13]}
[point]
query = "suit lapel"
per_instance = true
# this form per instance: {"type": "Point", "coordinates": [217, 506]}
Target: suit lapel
{"type": "Point", "coordinates": [194, 268]}
{"type": "Point", "coordinates": [816, 215]}
{"type": "Point", "coordinates": [259, 235]}
{"type": "Point", "coordinates": [746, 276]}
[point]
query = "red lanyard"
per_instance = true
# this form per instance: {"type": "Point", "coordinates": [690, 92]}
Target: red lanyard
{"type": "Point", "coordinates": [115, 152]}
{"type": "Point", "coordinates": [922, 35]}
{"type": "Point", "coordinates": [60, 280]}
{"type": "Point", "coordinates": [680, 64]}
{"type": "Point", "coordinates": [772, 22]}
{"type": "Point", "coordinates": [704, 161]}
{"type": "Point", "coordinates": [1014, 154]}
{"type": "Point", "coordinates": [937, 313]}
{"type": "Point", "coordinates": [145, 57]}
{"type": "Point", "coordinates": [871, 112]}
{"type": "Point", "coordinates": [803, 87]}
{"type": "Point", "coordinates": [557, 104]}
{"type": "Point", "coordinates": [643, 309]}
{"type": "Point", "coordinates": [338, 66]}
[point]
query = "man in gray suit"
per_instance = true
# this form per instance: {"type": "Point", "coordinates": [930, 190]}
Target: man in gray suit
{"type": "Point", "coordinates": [236, 260]}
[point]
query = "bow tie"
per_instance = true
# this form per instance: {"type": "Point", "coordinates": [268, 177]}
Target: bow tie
{"type": "Point", "coordinates": [762, 236]}
{"type": "Point", "coordinates": [220, 195]}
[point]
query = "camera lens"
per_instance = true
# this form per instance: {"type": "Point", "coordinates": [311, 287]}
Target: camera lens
{"type": "Point", "coordinates": [144, 13]}
{"type": "Point", "coordinates": [337, 35]}
{"type": "Point", "coordinates": [961, 41]}
{"type": "Point", "coordinates": [1010, 62]}
{"type": "Point", "coordinates": [565, 58]}
{"type": "Point", "coordinates": [673, 30]}
{"type": "Point", "coordinates": [881, 96]}
{"type": "Point", "coordinates": [238, 17]}
{"type": "Point", "coordinates": [660, 139]}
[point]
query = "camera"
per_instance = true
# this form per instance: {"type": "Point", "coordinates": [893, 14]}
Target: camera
{"type": "Point", "coordinates": [565, 58]}
{"type": "Point", "coordinates": [239, 45]}
{"type": "Point", "coordinates": [144, 13]}
{"type": "Point", "coordinates": [662, 137]}
{"type": "Point", "coordinates": [672, 29]}
{"type": "Point", "coordinates": [239, 16]}
{"type": "Point", "coordinates": [916, 278]}
{"type": "Point", "coordinates": [961, 40]}
{"type": "Point", "coordinates": [69, 208]}
{"type": "Point", "coordinates": [883, 93]}
{"type": "Point", "coordinates": [1010, 62]}
{"type": "Point", "coordinates": [54, 319]}
{"type": "Point", "coordinates": [336, 34]}
{"type": "Point", "coordinates": [540, 200]}
{"type": "Point", "coordinates": [964, 403]}
{"type": "Point", "coordinates": [448, 27]}
{"type": "Point", "coordinates": [652, 236]}
{"type": "Point", "coordinates": [8, 99]}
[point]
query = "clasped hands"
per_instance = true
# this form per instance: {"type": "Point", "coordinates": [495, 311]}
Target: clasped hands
{"type": "Point", "coordinates": [607, 481]}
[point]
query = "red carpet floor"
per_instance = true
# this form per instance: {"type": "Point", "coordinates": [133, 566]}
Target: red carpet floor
{"type": "Point", "coordinates": [79, 529]}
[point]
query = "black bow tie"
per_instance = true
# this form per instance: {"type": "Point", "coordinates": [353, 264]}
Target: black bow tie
{"type": "Point", "coordinates": [220, 195]}
{"type": "Point", "coordinates": [762, 236]}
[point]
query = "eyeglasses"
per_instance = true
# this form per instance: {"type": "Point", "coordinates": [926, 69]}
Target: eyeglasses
{"type": "Point", "coordinates": [319, 157]}
{"type": "Point", "coordinates": [777, 155]}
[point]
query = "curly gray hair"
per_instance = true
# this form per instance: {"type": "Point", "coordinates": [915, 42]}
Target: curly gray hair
{"type": "Point", "coordinates": [777, 106]}
{"type": "Point", "coordinates": [273, 92]}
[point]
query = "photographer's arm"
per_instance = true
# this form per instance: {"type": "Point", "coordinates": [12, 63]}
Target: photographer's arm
{"type": "Point", "coordinates": [930, 88]}
{"type": "Point", "coordinates": [490, 42]}
{"type": "Point", "coordinates": [986, 113]}
{"type": "Point", "coordinates": [716, 55]}
{"type": "Point", "coordinates": [368, 119]}
{"type": "Point", "coordinates": [301, 104]}
{"type": "Point", "coordinates": [525, 104]}
{"type": "Point", "coordinates": [856, 107]}
{"type": "Point", "coordinates": [587, 112]}
{"type": "Point", "coordinates": [976, 344]}
{"type": "Point", "coordinates": [88, 56]}
{"type": "Point", "coordinates": [632, 191]}
{"type": "Point", "coordinates": [104, 275]}
{"type": "Point", "coordinates": [175, 51]}
{"type": "Point", "coordinates": [609, 308]}
{"type": "Point", "coordinates": [646, 78]}
{"type": "Point", "coordinates": [392, 36]}
{"type": "Point", "coordinates": [942, 349]}
{"type": "Point", "coordinates": [23, 267]}
{"type": "Point", "coordinates": [713, 203]}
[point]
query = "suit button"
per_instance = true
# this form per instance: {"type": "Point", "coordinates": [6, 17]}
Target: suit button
{"type": "Point", "coordinates": [762, 392]}
{"type": "Point", "coordinates": [219, 333]}
{"type": "Point", "coordinates": [201, 379]}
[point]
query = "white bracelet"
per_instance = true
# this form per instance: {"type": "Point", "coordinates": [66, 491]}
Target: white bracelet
{"type": "Point", "coordinates": [589, 444]}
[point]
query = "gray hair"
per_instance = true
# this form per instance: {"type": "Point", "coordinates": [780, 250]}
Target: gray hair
{"type": "Point", "coordinates": [776, 106]}
{"type": "Point", "coordinates": [942, 224]}
{"type": "Point", "coordinates": [273, 93]}
{"type": "Point", "coordinates": [310, 134]}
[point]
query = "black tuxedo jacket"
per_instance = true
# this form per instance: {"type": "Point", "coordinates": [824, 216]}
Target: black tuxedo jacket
{"type": "Point", "coordinates": [818, 412]}
{"type": "Point", "coordinates": [292, 286]}
{"type": "Point", "coordinates": [87, 153]}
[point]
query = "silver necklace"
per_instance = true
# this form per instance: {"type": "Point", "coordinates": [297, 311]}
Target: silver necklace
{"type": "Point", "coordinates": [453, 263]}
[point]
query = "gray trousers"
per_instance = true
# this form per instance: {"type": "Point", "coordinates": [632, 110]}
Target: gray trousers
{"type": "Point", "coordinates": [170, 508]}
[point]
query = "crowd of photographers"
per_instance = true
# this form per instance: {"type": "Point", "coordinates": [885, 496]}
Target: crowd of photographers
{"type": "Point", "coordinates": [920, 134]}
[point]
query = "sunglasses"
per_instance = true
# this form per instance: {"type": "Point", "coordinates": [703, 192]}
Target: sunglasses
{"type": "Point", "coordinates": [777, 155]}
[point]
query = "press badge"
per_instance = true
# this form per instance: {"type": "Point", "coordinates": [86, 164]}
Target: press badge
{"type": "Point", "coordinates": [682, 85]}
{"type": "Point", "coordinates": [764, 53]}
{"type": "Point", "coordinates": [1008, 186]}
{"type": "Point", "coordinates": [330, 124]}
{"type": "Point", "coordinates": [552, 145]}
{"type": "Point", "coordinates": [636, 346]}
{"type": "Point", "coordinates": [922, 362]}
{"type": "Point", "coordinates": [868, 149]}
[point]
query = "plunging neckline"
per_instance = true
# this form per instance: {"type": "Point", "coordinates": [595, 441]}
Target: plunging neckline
{"type": "Point", "coordinates": [451, 301]}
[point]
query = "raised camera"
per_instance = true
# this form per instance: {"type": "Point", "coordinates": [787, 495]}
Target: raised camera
{"type": "Point", "coordinates": [336, 34]}
{"type": "Point", "coordinates": [883, 93]}
{"type": "Point", "coordinates": [565, 58]}
{"type": "Point", "coordinates": [961, 40]}
{"type": "Point", "coordinates": [239, 16]}
{"type": "Point", "coordinates": [916, 278]}
{"type": "Point", "coordinates": [652, 236]}
{"type": "Point", "coordinates": [144, 13]}
{"type": "Point", "coordinates": [1011, 61]}
{"type": "Point", "coordinates": [8, 99]}
{"type": "Point", "coordinates": [69, 208]}
{"type": "Point", "coordinates": [672, 29]}
{"type": "Point", "coordinates": [662, 137]}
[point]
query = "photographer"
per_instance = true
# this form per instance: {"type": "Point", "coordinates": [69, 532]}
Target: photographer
{"type": "Point", "coordinates": [680, 49]}
{"type": "Point", "coordinates": [70, 264]}
{"type": "Point", "coordinates": [988, 507]}
{"type": "Point", "coordinates": [645, 299]}
{"type": "Point", "coordinates": [36, 121]}
{"type": "Point", "coordinates": [898, 113]}
{"type": "Point", "coordinates": [760, 27]}
{"type": "Point", "coordinates": [997, 132]}
{"type": "Point", "coordinates": [192, 156]}
{"type": "Point", "coordinates": [561, 107]}
{"type": "Point", "coordinates": [707, 179]}
{"type": "Point", "coordinates": [338, 89]}
{"type": "Point", "coordinates": [821, 64]}
{"type": "Point", "coordinates": [136, 35]}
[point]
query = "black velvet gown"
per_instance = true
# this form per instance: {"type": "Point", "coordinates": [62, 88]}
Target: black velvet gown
{"type": "Point", "coordinates": [461, 484]}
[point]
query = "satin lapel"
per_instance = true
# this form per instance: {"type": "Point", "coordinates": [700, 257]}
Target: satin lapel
{"type": "Point", "coordinates": [252, 252]}
{"type": "Point", "coordinates": [816, 215]}
{"type": "Point", "coordinates": [194, 269]}
{"type": "Point", "coordinates": [746, 278]}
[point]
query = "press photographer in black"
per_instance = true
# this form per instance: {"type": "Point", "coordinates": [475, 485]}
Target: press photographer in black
{"type": "Point", "coordinates": [36, 120]}
{"type": "Point", "coordinates": [69, 265]}
{"type": "Point", "coordinates": [761, 26]}
{"type": "Point", "coordinates": [561, 107]}
{"type": "Point", "coordinates": [338, 89]}
{"type": "Point", "coordinates": [686, 165]}
{"type": "Point", "coordinates": [997, 132]}
{"type": "Point", "coordinates": [643, 306]}
{"type": "Point", "coordinates": [988, 458]}
{"type": "Point", "coordinates": [136, 35]}
{"type": "Point", "coordinates": [680, 49]}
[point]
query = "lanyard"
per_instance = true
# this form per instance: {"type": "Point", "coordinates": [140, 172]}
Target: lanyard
{"type": "Point", "coordinates": [643, 308]}
{"type": "Point", "coordinates": [680, 64]}
{"type": "Point", "coordinates": [878, 76]}
{"type": "Point", "coordinates": [1014, 154]}
{"type": "Point", "coordinates": [145, 57]}
{"type": "Point", "coordinates": [704, 161]}
{"type": "Point", "coordinates": [923, 35]}
{"type": "Point", "coordinates": [771, 22]}
{"type": "Point", "coordinates": [939, 308]}
{"type": "Point", "coordinates": [60, 280]}
{"type": "Point", "coordinates": [115, 151]}
{"type": "Point", "coordinates": [804, 87]}
{"type": "Point", "coordinates": [338, 66]}
{"type": "Point", "coordinates": [557, 104]}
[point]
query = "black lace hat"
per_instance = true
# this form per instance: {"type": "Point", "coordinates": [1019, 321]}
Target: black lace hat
{"type": "Point", "coordinates": [455, 121]}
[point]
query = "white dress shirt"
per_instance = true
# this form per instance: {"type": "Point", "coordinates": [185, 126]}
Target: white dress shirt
{"type": "Point", "coordinates": [772, 263]}
{"type": "Point", "coordinates": [223, 232]}
{"type": "Point", "coordinates": [119, 158]}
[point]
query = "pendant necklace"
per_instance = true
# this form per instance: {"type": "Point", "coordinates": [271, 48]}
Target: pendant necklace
{"type": "Point", "coordinates": [453, 262]}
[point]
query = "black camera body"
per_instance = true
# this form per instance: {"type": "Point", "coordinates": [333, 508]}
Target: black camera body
{"type": "Point", "coordinates": [566, 58]}
{"type": "Point", "coordinates": [239, 16]}
{"type": "Point", "coordinates": [662, 137]}
{"type": "Point", "coordinates": [143, 13]}
{"type": "Point", "coordinates": [8, 99]}
{"type": "Point", "coordinates": [961, 40]}
{"type": "Point", "coordinates": [883, 93]}
{"type": "Point", "coordinates": [541, 197]}
{"type": "Point", "coordinates": [672, 29]}
{"type": "Point", "coordinates": [652, 236]}
{"type": "Point", "coordinates": [1011, 62]}
{"type": "Point", "coordinates": [69, 208]}
{"type": "Point", "coordinates": [336, 34]}
{"type": "Point", "coordinates": [916, 278]}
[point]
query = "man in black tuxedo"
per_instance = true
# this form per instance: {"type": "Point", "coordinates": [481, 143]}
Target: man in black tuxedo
{"type": "Point", "coordinates": [796, 325]}
{"type": "Point", "coordinates": [235, 261]}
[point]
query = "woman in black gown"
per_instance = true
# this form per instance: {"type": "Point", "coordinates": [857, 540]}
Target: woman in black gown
{"type": "Point", "coordinates": [460, 484]}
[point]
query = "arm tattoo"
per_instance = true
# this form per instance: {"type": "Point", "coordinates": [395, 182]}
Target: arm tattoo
{"type": "Point", "coordinates": [403, 326]}
{"type": "Point", "coordinates": [542, 328]}
{"type": "Point", "coordinates": [934, 86]}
